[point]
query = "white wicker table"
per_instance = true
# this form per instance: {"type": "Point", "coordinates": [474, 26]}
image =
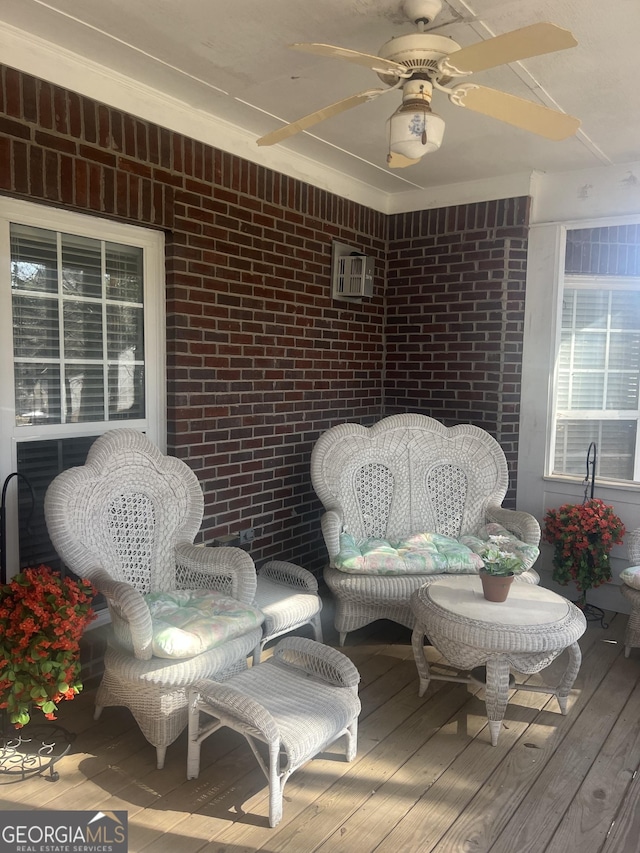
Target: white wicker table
{"type": "Point", "coordinates": [526, 632]}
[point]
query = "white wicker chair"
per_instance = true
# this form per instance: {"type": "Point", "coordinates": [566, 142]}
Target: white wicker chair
{"type": "Point", "coordinates": [406, 474]}
{"type": "Point", "coordinates": [127, 520]}
{"type": "Point", "coordinates": [632, 633]}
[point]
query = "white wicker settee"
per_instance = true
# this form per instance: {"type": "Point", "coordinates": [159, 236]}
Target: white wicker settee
{"type": "Point", "coordinates": [407, 474]}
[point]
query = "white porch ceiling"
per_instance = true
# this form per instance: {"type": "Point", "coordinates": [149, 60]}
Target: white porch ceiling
{"type": "Point", "coordinates": [222, 72]}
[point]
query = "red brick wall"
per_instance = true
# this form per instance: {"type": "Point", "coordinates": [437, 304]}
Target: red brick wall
{"type": "Point", "coordinates": [455, 315]}
{"type": "Point", "coordinates": [261, 359]}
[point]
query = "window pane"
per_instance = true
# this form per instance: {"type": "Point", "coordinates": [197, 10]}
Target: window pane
{"type": "Point", "coordinates": [36, 332]}
{"type": "Point", "coordinates": [616, 449]}
{"type": "Point", "coordinates": [34, 259]}
{"type": "Point", "coordinates": [625, 309]}
{"type": "Point", "coordinates": [81, 266]}
{"type": "Point", "coordinates": [587, 391]}
{"type": "Point", "coordinates": [124, 272]}
{"type": "Point", "coordinates": [84, 393]}
{"type": "Point", "coordinates": [592, 308]}
{"type": "Point", "coordinates": [590, 349]}
{"type": "Point", "coordinates": [615, 441]}
{"type": "Point", "coordinates": [125, 332]}
{"type": "Point", "coordinates": [622, 391]}
{"type": "Point", "coordinates": [37, 394]}
{"type": "Point", "coordinates": [126, 390]}
{"type": "Point", "coordinates": [624, 351]}
{"type": "Point", "coordinates": [82, 330]}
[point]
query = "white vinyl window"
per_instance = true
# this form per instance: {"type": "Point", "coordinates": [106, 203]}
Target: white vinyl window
{"type": "Point", "coordinates": [82, 338]}
{"type": "Point", "coordinates": [598, 377]}
{"type": "Point", "coordinates": [78, 328]}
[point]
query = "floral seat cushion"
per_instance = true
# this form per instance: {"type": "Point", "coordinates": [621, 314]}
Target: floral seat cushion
{"type": "Point", "coordinates": [424, 553]}
{"type": "Point", "coordinates": [188, 622]}
{"type": "Point", "coordinates": [631, 577]}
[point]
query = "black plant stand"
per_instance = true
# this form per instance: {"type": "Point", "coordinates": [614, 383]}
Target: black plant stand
{"type": "Point", "coordinates": [591, 612]}
{"type": "Point", "coordinates": [32, 750]}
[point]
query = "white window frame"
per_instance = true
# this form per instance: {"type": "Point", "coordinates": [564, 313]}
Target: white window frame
{"type": "Point", "coordinates": [572, 281]}
{"type": "Point", "coordinates": [154, 424]}
{"type": "Point", "coordinates": [537, 489]}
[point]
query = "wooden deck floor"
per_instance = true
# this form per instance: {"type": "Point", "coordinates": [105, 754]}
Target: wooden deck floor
{"type": "Point", "coordinates": [425, 777]}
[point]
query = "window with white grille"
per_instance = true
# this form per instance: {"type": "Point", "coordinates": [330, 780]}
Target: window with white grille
{"type": "Point", "coordinates": [598, 377]}
{"type": "Point", "coordinates": [82, 338]}
{"type": "Point", "coordinates": [78, 328]}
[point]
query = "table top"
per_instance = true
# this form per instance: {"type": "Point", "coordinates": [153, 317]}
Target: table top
{"type": "Point", "coordinates": [526, 604]}
{"type": "Point", "coordinates": [531, 618]}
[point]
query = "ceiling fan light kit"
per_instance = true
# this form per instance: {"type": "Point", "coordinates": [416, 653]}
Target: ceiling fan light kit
{"type": "Point", "coordinates": [419, 62]}
{"type": "Point", "coordinates": [414, 130]}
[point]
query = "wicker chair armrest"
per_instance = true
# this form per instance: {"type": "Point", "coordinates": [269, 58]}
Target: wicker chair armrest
{"type": "Point", "coordinates": [523, 525]}
{"type": "Point", "coordinates": [634, 546]}
{"type": "Point", "coordinates": [317, 660]}
{"type": "Point", "coordinates": [228, 570]}
{"type": "Point", "coordinates": [233, 707]}
{"type": "Point", "coordinates": [290, 575]}
{"type": "Point", "coordinates": [127, 604]}
{"type": "Point", "coordinates": [332, 523]}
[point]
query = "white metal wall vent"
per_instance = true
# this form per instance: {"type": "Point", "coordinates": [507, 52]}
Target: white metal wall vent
{"type": "Point", "coordinates": [352, 272]}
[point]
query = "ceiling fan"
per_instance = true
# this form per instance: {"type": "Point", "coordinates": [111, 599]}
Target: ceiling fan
{"type": "Point", "coordinates": [420, 62]}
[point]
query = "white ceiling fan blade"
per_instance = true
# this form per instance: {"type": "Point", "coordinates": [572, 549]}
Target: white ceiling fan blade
{"type": "Point", "coordinates": [519, 112]}
{"type": "Point", "coordinates": [399, 161]}
{"type": "Point", "coordinates": [320, 115]}
{"type": "Point", "coordinates": [377, 63]}
{"type": "Point", "coordinates": [534, 40]}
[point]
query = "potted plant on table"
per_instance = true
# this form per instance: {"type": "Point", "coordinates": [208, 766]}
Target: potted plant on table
{"type": "Point", "coordinates": [501, 565]}
{"type": "Point", "coordinates": [42, 618]}
{"type": "Point", "coordinates": [582, 536]}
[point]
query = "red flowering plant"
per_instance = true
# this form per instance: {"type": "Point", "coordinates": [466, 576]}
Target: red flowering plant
{"type": "Point", "coordinates": [42, 617]}
{"type": "Point", "coordinates": [582, 536]}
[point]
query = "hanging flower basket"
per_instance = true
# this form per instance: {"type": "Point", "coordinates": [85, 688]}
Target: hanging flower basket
{"type": "Point", "coordinates": [582, 536]}
{"type": "Point", "coordinates": [42, 618]}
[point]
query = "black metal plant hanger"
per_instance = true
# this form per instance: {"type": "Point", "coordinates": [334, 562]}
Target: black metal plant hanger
{"type": "Point", "coordinates": [591, 612]}
{"type": "Point", "coordinates": [3, 519]}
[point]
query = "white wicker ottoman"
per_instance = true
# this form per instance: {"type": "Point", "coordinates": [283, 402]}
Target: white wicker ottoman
{"type": "Point", "coordinates": [288, 596]}
{"type": "Point", "coordinates": [296, 703]}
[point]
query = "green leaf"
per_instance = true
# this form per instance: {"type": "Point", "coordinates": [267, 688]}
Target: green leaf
{"type": "Point", "coordinates": [21, 717]}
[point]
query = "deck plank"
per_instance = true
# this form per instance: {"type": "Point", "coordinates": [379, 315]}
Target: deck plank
{"type": "Point", "coordinates": [593, 810]}
{"type": "Point", "coordinates": [425, 777]}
